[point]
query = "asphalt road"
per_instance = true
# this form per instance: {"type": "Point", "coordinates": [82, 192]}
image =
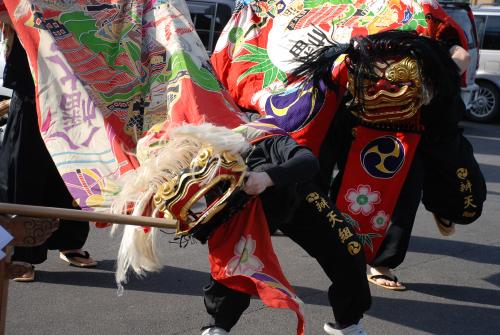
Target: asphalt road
{"type": "Point", "coordinates": [454, 283]}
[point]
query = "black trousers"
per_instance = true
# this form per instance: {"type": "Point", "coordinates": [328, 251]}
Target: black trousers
{"type": "Point", "coordinates": [322, 232]}
{"type": "Point", "coordinates": [446, 177]}
{"type": "Point", "coordinates": [29, 176]}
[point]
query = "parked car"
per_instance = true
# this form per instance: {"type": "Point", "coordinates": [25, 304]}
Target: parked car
{"type": "Point", "coordinates": [210, 18]}
{"type": "Point", "coordinates": [486, 106]}
{"type": "Point", "coordinates": [462, 13]}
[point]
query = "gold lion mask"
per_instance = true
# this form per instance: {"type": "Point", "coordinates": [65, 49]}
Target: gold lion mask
{"type": "Point", "coordinates": [201, 190]}
{"type": "Point", "coordinates": [393, 92]}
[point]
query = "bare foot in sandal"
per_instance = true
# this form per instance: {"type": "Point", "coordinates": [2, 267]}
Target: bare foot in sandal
{"type": "Point", "coordinates": [21, 272]}
{"type": "Point", "coordinates": [77, 257]}
{"type": "Point", "coordinates": [383, 277]}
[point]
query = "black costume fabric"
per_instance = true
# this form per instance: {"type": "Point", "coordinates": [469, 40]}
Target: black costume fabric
{"type": "Point", "coordinates": [27, 172]}
{"type": "Point", "coordinates": [302, 212]}
{"type": "Point", "coordinates": [432, 178]}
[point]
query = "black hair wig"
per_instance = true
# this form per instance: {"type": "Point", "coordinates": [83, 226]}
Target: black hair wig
{"type": "Point", "coordinates": [438, 69]}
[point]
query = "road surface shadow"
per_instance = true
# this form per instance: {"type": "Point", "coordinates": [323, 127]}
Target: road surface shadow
{"type": "Point", "coordinates": [169, 280]}
{"type": "Point", "coordinates": [437, 318]}
{"type": "Point", "coordinates": [460, 293]}
{"type": "Point", "coordinates": [458, 249]}
{"type": "Point", "coordinates": [431, 317]}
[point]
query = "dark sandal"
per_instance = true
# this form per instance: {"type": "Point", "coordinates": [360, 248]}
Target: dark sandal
{"type": "Point", "coordinates": [373, 279]}
{"type": "Point", "coordinates": [71, 258]}
{"type": "Point", "coordinates": [21, 272]}
{"type": "Point", "coordinates": [444, 227]}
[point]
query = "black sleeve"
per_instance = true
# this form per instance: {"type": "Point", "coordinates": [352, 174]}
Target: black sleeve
{"type": "Point", "coordinates": [335, 148]}
{"type": "Point", "coordinates": [441, 117]}
{"type": "Point", "coordinates": [293, 163]}
{"type": "Point", "coordinates": [454, 186]}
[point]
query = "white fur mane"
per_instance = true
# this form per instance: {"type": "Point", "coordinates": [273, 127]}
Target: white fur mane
{"type": "Point", "coordinates": [163, 159]}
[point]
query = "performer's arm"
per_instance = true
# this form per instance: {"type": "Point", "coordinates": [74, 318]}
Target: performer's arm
{"type": "Point", "coordinates": [461, 57]}
{"type": "Point", "coordinates": [299, 165]}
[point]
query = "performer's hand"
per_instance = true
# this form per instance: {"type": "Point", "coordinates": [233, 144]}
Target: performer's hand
{"type": "Point", "coordinates": [257, 182]}
{"type": "Point", "coordinates": [461, 57]}
{"type": "Point", "coordinates": [28, 231]}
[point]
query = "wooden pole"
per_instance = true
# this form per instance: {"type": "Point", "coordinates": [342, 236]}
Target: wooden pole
{"type": "Point", "coordinates": [79, 215]}
{"type": "Point", "coordinates": [4, 289]}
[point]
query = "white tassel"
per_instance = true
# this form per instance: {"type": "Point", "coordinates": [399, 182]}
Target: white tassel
{"type": "Point", "coordinates": [138, 250]}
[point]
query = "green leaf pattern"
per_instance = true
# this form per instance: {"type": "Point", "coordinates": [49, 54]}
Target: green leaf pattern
{"type": "Point", "coordinates": [365, 239]}
{"type": "Point", "coordinates": [263, 65]}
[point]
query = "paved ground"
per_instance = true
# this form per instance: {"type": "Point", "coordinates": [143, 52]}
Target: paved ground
{"type": "Point", "coordinates": [454, 283]}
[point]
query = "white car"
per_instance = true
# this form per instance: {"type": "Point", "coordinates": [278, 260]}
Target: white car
{"type": "Point", "coordinates": [486, 106]}
{"type": "Point", "coordinates": [461, 12]}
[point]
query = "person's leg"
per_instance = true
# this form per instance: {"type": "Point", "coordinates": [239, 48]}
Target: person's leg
{"type": "Point", "coordinates": [69, 240]}
{"type": "Point", "coordinates": [224, 305]}
{"type": "Point", "coordinates": [34, 180]}
{"type": "Point", "coordinates": [327, 237]}
{"type": "Point", "coordinates": [24, 167]}
{"type": "Point", "coordinates": [393, 249]}
{"type": "Point", "coordinates": [71, 235]}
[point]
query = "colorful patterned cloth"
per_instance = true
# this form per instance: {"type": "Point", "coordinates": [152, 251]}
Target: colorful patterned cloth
{"type": "Point", "coordinates": [108, 74]}
{"type": "Point", "coordinates": [377, 166]}
{"type": "Point", "coordinates": [111, 73]}
{"type": "Point", "coordinates": [260, 43]}
{"type": "Point", "coordinates": [259, 49]}
{"type": "Point", "coordinates": [247, 265]}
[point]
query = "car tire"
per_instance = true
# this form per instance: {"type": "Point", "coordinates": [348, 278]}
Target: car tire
{"type": "Point", "coordinates": [486, 106]}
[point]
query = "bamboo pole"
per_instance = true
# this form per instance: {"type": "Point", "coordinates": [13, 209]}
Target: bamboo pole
{"type": "Point", "coordinates": [79, 215]}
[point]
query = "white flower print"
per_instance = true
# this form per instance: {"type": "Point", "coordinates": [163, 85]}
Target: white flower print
{"type": "Point", "coordinates": [380, 220]}
{"type": "Point", "coordinates": [362, 199]}
{"type": "Point", "coordinates": [244, 262]}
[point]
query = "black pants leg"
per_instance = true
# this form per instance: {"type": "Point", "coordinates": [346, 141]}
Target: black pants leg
{"type": "Point", "coordinates": [393, 249]}
{"type": "Point", "coordinates": [319, 228]}
{"type": "Point", "coordinates": [326, 237]}
{"type": "Point", "coordinates": [28, 176]}
{"type": "Point", "coordinates": [224, 305]}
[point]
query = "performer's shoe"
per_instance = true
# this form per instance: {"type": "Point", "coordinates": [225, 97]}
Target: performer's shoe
{"type": "Point", "coordinates": [77, 258]}
{"type": "Point", "coordinates": [21, 272]}
{"type": "Point", "coordinates": [446, 227]}
{"type": "Point", "coordinates": [355, 329]}
{"type": "Point", "coordinates": [214, 331]}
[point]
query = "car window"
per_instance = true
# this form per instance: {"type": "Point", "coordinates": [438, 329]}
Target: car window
{"type": "Point", "coordinates": [209, 19]}
{"type": "Point", "coordinates": [480, 25]}
{"type": "Point", "coordinates": [491, 39]}
{"type": "Point", "coordinates": [461, 17]}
